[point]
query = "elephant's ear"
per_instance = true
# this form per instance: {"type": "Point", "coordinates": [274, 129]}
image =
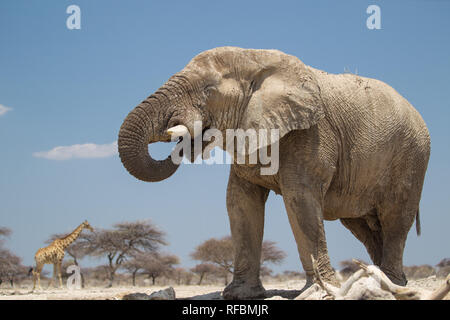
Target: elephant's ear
{"type": "Point", "coordinates": [284, 98]}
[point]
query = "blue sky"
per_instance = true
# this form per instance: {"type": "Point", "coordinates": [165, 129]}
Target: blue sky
{"type": "Point", "coordinates": [67, 87]}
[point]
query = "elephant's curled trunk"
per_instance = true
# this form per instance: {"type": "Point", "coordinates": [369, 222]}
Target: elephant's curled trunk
{"type": "Point", "coordinates": [143, 126]}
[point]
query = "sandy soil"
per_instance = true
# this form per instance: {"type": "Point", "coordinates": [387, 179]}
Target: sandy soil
{"type": "Point", "coordinates": [277, 291]}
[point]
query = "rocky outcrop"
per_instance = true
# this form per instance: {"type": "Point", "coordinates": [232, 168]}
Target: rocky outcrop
{"type": "Point", "coordinates": [166, 294]}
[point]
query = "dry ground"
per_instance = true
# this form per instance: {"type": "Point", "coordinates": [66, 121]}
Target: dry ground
{"type": "Point", "coordinates": [288, 289]}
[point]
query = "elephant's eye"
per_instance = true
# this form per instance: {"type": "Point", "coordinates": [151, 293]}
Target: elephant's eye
{"type": "Point", "coordinates": [209, 90]}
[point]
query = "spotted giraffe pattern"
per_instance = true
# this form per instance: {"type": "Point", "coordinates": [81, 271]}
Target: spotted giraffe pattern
{"type": "Point", "coordinates": [54, 254]}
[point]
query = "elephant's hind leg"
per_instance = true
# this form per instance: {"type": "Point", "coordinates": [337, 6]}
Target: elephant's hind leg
{"type": "Point", "coordinates": [370, 237]}
{"type": "Point", "coordinates": [396, 221]}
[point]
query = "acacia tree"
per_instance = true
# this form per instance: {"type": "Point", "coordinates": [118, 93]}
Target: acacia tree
{"type": "Point", "coordinates": [4, 232]}
{"type": "Point", "coordinates": [123, 242]}
{"type": "Point", "coordinates": [99, 273]}
{"type": "Point", "coordinates": [133, 266]}
{"type": "Point", "coordinates": [419, 272]}
{"type": "Point", "coordinates": [154, 265]}
{"type": "Point", "coordinates": [11, 266]}
{"type": "Point", "coordinates": [157, 264]}
{"type": "Point", "coordinates": [221, 253]}
{"type": "Point", "coordinates": [443, 263]}
{"type": "Point", "coordinates": [218, 252]}
{"type": "Point", "coordinates": [202, 270]}
{"type": "Point", "coordinates": [443, 268]}
{"type": "Point", "coordinates": [270, 253]}
{"type": "Point", "coordinates": [181, 275]}
{"type": "Point", "coordinates": [294, 274]}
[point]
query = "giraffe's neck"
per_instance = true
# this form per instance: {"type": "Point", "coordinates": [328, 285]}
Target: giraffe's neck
{"type": "Point", "coordinates": [66, 241]}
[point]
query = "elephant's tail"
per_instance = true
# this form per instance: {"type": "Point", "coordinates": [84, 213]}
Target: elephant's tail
{"type": "Point", "coordinates": [418, 223]}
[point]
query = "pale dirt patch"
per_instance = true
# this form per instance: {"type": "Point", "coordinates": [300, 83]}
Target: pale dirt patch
{"type": "Point", "coordinates": [276, 291]}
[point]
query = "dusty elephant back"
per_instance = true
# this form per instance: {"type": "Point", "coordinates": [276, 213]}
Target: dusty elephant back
{"type": "Point", "coordinates": [372, 104]}
{"type": "Point", "coordinates": [383, 143]}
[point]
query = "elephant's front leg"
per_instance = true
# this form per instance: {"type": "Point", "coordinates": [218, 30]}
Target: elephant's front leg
{"type": "Point", "coordinates": [304, 208]}
{"type": "Point", "coordinates": [245, 204]}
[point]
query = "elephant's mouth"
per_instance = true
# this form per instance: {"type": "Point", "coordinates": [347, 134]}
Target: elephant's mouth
{"type": "Point", "coordinates": [150, 123]}
{"type": "Point", "coordinates": [179, 140]}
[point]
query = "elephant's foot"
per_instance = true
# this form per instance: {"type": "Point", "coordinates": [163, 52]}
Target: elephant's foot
{"type": "Point", "coordinates": [332, 280]}
{"type": "Point", "coordinates": [395, 277]}
{"type": "Point", "coordinates": [328, 276]}
{"type": "Point", "coordinates": [309, 283]}
{"type": "Point", "coordinates": [239, 290]}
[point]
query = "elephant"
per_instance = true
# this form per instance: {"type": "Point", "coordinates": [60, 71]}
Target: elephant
{"type": "Point", "coordinates": [350, 148]}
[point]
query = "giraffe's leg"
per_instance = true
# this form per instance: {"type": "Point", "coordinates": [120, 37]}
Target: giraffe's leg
{"type": "Point", "coordinates": [33, 272]}
{"type": "Point", "coordinates": [37, 275]}
{"type": "Point", "coordinates": [39, 280]}
{"type": "Point", "coordinates": [58, 267]}
{"type": "Point", "coordinates": [53, 276]}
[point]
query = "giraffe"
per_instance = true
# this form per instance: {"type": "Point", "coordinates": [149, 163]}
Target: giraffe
{"type": "Point", "coordinates": [54, 254]}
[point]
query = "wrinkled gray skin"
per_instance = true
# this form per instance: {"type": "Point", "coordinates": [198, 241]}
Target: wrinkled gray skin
{"type": "Point", "coordinates": [351, 148]}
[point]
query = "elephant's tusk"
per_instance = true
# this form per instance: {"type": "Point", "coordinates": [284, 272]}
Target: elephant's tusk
{"type": "Point", "coordinates": [178, 131]}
